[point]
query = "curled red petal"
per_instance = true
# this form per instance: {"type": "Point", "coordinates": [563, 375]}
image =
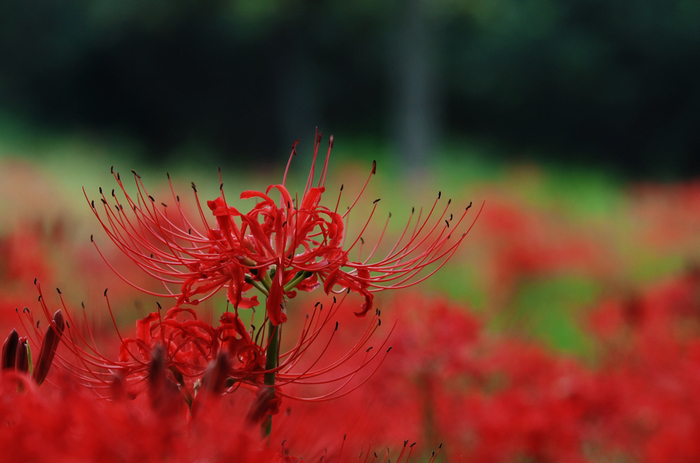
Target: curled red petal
{"type": "Point", "coordinates": [143, 327]}
{"type": "Point", "coordinates": [368, 304]}
{"type": "Point", "coordinates": [331, 279]}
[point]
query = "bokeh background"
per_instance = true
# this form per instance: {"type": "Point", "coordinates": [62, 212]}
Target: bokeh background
{"type": "Point", "coordinates": [610, 84]}
{"type": "Point", "coordinates": [574, 123]}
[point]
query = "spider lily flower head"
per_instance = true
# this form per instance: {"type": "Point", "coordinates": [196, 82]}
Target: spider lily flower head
{"type": "Point", "coordinates": [282, 245]}
{"type": "Point", "coordinates": [177, 352]}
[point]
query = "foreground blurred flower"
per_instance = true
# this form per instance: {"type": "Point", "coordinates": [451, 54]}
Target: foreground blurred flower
{"type": "Point", "coordinates": [71, 426]}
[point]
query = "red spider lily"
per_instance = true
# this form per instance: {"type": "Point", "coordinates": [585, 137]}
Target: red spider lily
{"type": "Point", "coordinates": [190, 349]}
{"type": "Point", "coordinates": [277, 247]}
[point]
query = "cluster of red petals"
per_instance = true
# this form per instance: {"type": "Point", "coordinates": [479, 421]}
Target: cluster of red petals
{"type": "Point", "coordinates": [191, 354]}
{"type": "Point", "coordinates": [279, 246]}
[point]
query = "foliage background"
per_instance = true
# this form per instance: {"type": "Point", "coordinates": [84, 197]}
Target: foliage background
{"type": "Point", "coordinates": [610, 83]}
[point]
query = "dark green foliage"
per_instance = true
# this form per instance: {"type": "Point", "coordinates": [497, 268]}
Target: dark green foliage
{"type": "Point", "coordinates": [613, 81]}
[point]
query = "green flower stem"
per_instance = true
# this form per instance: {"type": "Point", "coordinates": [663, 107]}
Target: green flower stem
{"type": "Point", "coordinates": [258, 285]}
{"type": "Point", "coordinates": [298, 278]}
{"type": "Point", "coordinates": [267, 278]}
{"type": "Point", "coordinates": [271, 363]}
{"type": "Point", "coordinates": [30, 361]}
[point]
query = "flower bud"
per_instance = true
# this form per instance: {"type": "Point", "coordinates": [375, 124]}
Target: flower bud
{"type": "Point", "coordinates": [22, 363]}
{"type": "Point", "coordinates": [9, 350]}
{"type": "Point", "coordinates": [48, 347]}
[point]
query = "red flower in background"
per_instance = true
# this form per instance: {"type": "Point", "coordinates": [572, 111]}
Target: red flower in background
{"type": "Point", "coordinates": [279, 246]}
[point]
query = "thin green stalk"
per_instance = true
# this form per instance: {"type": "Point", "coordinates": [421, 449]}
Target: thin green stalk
{"type": "Point", "coordinates": [271, 363]}
{"type": "Point", "coordinates": [260, 287]}
{"type": "Point", "coordinates": [300, 276]}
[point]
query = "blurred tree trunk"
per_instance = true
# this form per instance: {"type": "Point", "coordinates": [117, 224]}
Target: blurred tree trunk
{"type": "Point", "coordinates": [296, 85]}
{"type": "Point", "coordinates": [414, 83]}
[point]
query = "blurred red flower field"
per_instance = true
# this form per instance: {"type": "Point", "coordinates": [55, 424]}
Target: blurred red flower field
{"type": "Point", "coordinates": [549, 335]}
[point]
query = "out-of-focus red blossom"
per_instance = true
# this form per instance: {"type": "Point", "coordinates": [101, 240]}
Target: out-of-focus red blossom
{"type": "Point", "coordinates": [279, 246]}
{"type": "Point", "coordinates": [23, 252]}
{"type": "Point", "coordinates": [522, 243]}
{"type": "Point", "coordinates": [488, 400]}
{"type": "Point", "coordinates": [667, 217]}
{"type": "Point", "coordinates": [67, 424]}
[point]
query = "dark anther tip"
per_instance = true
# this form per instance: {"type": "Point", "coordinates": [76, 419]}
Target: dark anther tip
{"type": "Point", "coordinates": [377, 200]}
{"type": "Point", "coordinates": [374, 167]}
{"type": "Point", "coordinates": [105, 293]}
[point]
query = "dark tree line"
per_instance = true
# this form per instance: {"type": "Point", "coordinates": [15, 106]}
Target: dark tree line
{"type": "Point", "coordinates": [612, 82]}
